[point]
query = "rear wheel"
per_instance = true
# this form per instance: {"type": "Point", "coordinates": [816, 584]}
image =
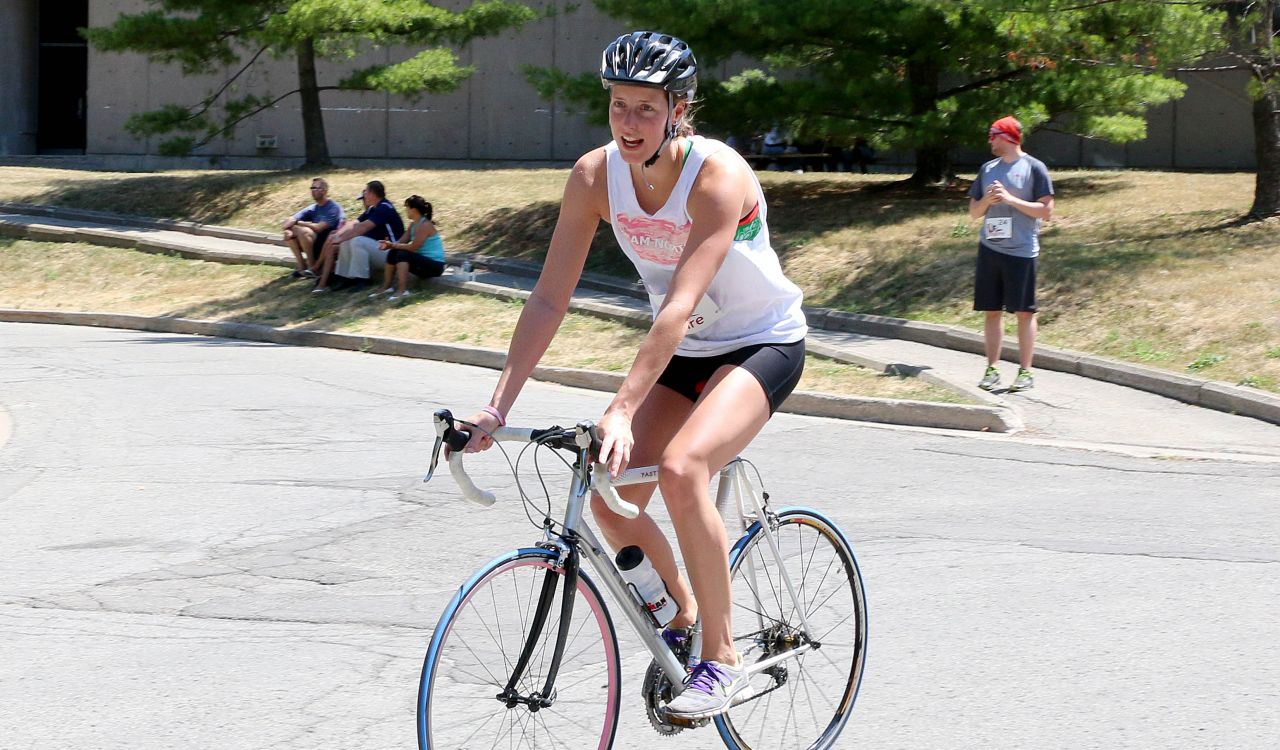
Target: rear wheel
{"type": "Point", "coordinates": [804, 701]}
{"type": "Point", "coordinates": [462, 699]}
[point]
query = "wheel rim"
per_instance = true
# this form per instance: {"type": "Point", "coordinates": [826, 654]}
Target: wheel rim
{"type": "Point", "coordinates": [804, 702]}
{"type": "Point", "coordinates": [472, 656]}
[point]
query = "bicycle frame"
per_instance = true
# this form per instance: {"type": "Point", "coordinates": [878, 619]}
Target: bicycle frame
{"type": "Point", "coordinates": [577, 541]}
{"type": "Point", "coordinates": [732, 484]}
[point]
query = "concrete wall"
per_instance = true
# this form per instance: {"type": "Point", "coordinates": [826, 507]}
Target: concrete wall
{"type": "Point", "coordinates": [1211, 127]}
{"type": "Point", "coordinates": [496, 115]}
{"type": "Point", "coordinates": [18, 65]}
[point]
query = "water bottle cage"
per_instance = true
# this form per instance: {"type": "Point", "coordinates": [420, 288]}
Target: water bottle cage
{"type": "Point", "coordinates": [649, 608]}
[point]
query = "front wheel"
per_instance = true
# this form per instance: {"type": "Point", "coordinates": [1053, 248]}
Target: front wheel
{"type": "Point", "coordinates": [803, 701]}
{"type": "Point", "coordinates": [463, 701]}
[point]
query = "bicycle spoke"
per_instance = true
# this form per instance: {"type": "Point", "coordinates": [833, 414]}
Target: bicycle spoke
{"type": "Point", "coordinates": [796, 707]}
{"type": "Point", "coordinates": [487, 633]}
{"type": "Point", "coordinates": [832, 629]}
{"type": "Point", "coordinates": [480, 728]}
{"type": "Point", "coordinates": [555, 741]}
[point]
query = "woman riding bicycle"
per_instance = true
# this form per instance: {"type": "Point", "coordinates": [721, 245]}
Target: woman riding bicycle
{"type": "Point", "coordinates": [725, 348]}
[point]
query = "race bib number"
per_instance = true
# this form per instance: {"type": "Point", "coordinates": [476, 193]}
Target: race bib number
{"type": "Point", "coordinates": [999, 227]}
{"type": "Point", "coordinates": [706, 313]}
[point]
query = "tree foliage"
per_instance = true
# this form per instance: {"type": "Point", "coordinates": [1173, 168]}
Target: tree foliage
{"type": "Point", "coordinates": [930, 75]}
{"type": "Point", "coordinates": [200, 35]}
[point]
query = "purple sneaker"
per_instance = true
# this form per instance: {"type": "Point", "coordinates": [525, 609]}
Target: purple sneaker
{"type": "Point", "coordinates": [709, 691]}
{"type": "Point", "coordinates": [680, 641]}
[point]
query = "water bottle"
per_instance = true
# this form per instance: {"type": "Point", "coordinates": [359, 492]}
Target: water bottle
{"type": "Point", "coordinates": [648, 585]}
{"type": "Point", "coordinates": [468, 274]}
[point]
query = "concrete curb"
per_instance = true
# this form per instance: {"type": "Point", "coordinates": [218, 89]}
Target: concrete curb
{"type": "Point", "coordinates": [1010, 421]}
{"type": "Point", "coordinates": [134, 239]}
{"type": "Point", "coordinates": [1008, 417]}
{"type": "Point", "coordinates": [1210, 394]}
{"type": "Point", "coordinates": [1220, 396]}
{"type": "Point", "coordinates": [123, 220]}
{"type": "Point", "coordinates": [917, 413]}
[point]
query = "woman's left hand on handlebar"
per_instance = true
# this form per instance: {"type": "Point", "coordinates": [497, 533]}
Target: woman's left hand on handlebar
{"type": "Point", "coordinates": [616, 441]}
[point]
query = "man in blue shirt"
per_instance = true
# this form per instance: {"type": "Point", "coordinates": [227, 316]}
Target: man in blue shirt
{"type": "Point", "coordinates": [1013, 194]}
{"type": "Point", "coordinates": [306, 231]}
{"type": "Point", "coordinates": [359, 254]}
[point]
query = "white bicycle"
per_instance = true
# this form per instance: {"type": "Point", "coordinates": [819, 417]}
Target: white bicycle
{"type": "Point", "coordinates": [526, 653]}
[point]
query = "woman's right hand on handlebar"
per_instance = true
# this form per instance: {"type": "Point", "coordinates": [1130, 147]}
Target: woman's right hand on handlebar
{"type": "Point", "coordinates": [479, 440]}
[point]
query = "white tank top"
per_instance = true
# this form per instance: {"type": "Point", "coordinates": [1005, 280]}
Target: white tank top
{"type": "Point", "coordinates": [749, 301]}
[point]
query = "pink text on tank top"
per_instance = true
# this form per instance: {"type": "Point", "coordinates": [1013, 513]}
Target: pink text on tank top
{"type": "Point", "coordinates": [656, 240]}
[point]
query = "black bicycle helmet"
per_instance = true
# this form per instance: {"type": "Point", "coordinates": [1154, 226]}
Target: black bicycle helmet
{"type": "Point", "coordinates": [647, 58]}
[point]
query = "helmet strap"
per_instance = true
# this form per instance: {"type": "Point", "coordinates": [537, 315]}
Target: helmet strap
{"type": "Point", "coordinates": [670, 133]}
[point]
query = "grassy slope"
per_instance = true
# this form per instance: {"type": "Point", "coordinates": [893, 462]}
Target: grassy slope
{"type": "Point", "coordinates": [1142, 266]}
{"type": "Point", "coordinates": [50, 276]}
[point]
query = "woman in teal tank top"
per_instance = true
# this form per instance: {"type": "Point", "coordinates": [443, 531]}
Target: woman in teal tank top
{"type": "Point", "coordinates": [420, 251]}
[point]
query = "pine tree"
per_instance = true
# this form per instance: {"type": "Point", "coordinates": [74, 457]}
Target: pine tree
{"type": "Point", "coordinates": [930, 75]}
{"type": "Point", "coordinates": [201, 34]}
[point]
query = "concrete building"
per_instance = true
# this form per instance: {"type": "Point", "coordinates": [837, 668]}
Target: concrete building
{"type": "Point", "coordinates": [61, 97]}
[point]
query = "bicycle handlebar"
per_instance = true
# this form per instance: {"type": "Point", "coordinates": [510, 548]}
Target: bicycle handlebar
{"type": "Point", "coordinates": [582, 436]}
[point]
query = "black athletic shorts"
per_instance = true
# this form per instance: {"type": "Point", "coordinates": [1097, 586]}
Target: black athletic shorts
{"type": "Point", "coordinates": [1004, 282]}
{"type": "Point", "coordinates": [419, 264]}
{"type": "Point", "coordinates": [777, 366]}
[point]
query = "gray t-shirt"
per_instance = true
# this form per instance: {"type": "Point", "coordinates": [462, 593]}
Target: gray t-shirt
{"type": "Point", "coordinates": [330, 213]}
{"type": "Point", "coordinates": [1005, 228]}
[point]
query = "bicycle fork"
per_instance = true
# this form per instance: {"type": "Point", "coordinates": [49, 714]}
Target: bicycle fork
{"type": "Point", "coordinates": [546, 599]}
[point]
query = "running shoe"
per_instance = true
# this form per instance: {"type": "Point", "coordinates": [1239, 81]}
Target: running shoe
{"type": "Point", "coordinates": [1024, 381]}
{"type": "Point", "coordinates": [709, 691]}
{"type": "Point", "coordinates": [990, 379]}
{"type": "Point", "coordinates": [401, 297]}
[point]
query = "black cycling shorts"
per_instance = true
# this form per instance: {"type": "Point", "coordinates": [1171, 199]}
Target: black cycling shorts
{"type": "Point", "coordinates": [777, 366]}
{"type": "Point", "coordinates": [419, 264]}
{"type": "Point", "coordinates": [1004, 282]}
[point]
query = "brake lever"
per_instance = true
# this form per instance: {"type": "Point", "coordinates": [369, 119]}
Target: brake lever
{"type": "Point", "coordinates": [443, 419]}
{"type": "Point", "coordinates": [435, 459]}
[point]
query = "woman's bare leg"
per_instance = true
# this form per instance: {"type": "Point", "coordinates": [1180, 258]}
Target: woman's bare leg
{"type": "Point", "coordinates": [729, 414]}
{"type": "Point", "coordinates": [402, 277]}
{"type": "Point", "coordinates": [386, 279]}
{"type": "Point", "coordinates": [657, 420]}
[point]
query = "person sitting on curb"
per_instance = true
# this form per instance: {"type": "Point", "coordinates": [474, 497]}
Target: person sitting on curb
{"type": "Point", "coordinates": [358, 252]}
{"type": "Point", "coordinates": [306, 231]}
{"type": "Point", "coordinates": [420, 251]}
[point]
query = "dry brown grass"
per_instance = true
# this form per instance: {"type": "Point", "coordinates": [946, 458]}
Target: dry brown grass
{"type": "Point", "coordinates": [1144, 266]}
{"type": "Point", "coordinates": [38, 275]}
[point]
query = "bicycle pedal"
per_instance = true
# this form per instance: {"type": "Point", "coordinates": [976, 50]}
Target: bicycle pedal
{"type": "Point", "coordinates": [680, 721]}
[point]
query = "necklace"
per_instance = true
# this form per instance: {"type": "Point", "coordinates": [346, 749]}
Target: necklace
{"type": "Point", "coordinates": [684, 156]}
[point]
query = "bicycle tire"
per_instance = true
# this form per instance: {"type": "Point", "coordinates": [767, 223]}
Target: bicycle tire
{"type": "Point", "coordinates": [479, 638]}
{"type": "Point", "coordinates": [806, 703]}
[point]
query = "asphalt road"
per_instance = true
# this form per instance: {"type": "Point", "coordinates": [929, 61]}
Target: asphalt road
{"type": "Point", "coordinates": [224, 544]}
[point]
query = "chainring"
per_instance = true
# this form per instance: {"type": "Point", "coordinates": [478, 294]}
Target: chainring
{"type": "Point", "coordinates": [657, 693]}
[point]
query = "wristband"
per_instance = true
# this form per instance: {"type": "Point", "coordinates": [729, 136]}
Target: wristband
{"type": "Point", "coordinates": [493, 412]}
